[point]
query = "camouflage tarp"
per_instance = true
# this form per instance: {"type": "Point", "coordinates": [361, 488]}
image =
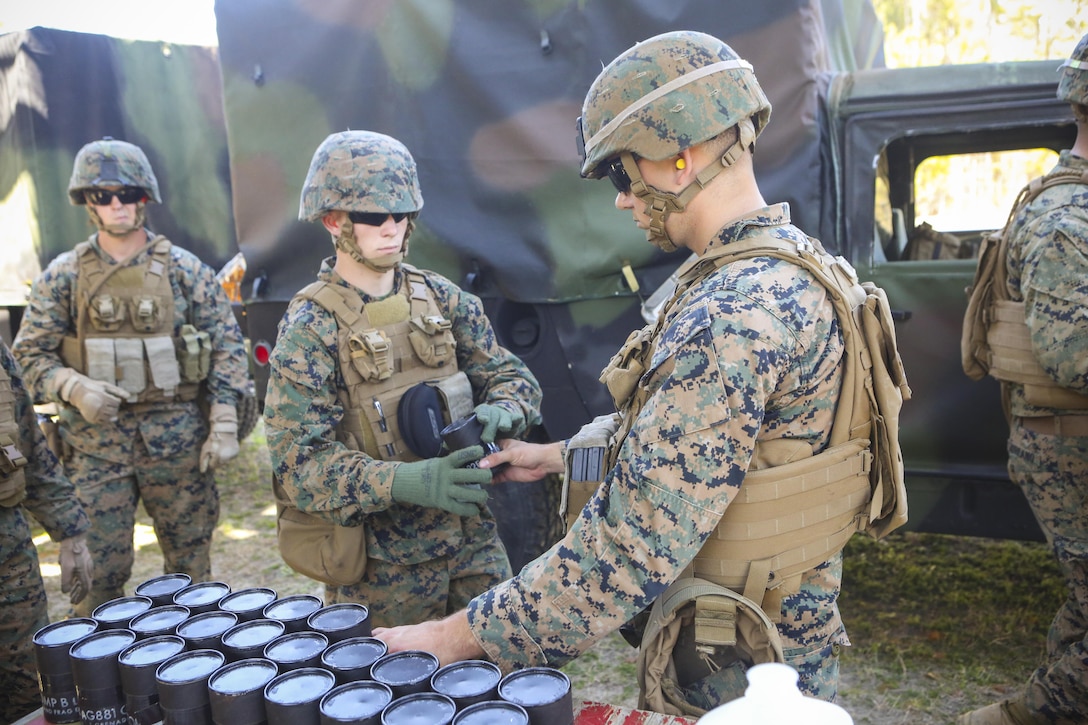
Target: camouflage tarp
{"type": "Point", "coordinates": [61, 90]}
{"type": "Point", "coordinates": [485, 95]}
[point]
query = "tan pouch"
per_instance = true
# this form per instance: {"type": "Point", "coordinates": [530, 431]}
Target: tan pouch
{"type": "Point", "coordinates": [320, 549]}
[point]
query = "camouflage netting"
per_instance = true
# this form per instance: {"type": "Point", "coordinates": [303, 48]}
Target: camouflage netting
{"type": "Point", "coordinates": [486, 96]}
{"type": "Point", "coordinates": [63, 90]}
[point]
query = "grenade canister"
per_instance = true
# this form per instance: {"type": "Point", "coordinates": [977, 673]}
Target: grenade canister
{"type": "Point", "coordinates": [60, 703]}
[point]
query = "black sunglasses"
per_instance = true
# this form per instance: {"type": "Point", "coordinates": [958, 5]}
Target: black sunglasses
{"type": "Point", "coordinates": [104, 197]}
{"type": "Point", "coordinates": [617, 174]}
{"type": "Point", "coordinates": [375, 218]}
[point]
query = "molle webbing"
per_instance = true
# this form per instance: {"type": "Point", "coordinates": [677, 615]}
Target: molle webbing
{"type": "Point", "coordinates": [12, 460]}
{"type": "Point", "coordinates": [125, 327]}
{"type": "Point", "coordinates": [996, 339]}
{"type": "Point", "coordinates": [380, 362]}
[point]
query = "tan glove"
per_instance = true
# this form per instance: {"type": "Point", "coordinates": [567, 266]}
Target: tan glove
{"type": "Point", "coordinates": [222, 442]}
{"type": "Point", "coordinates": [76, 568]}
{"type": "Point", "coordinates": [96, 401]}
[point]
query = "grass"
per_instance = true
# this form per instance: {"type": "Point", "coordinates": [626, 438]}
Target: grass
{"type": "Point", "coordinates": [939, 624]}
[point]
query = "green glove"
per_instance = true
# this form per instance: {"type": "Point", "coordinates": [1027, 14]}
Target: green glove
{"type": "Point", "coordinates": [497, 419]}
{"type": "Point", "coordinates": [441, 482]}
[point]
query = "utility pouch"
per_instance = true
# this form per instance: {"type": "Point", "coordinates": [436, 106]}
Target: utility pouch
{"type": "Point", "coordinates": [107, 313]}
{"type": "Point", "coordinates": [194, 354]}
{"type": "Point", "coordinates": [371, 355]}
{"type": "Point", "coordinates": [146, 314]}
{"type": "Point", "coordinates": [626, 367]}
{"type": "Point", "coordinates": [318, 548]}
{"type": "Point", "coordinates": [432, 340]}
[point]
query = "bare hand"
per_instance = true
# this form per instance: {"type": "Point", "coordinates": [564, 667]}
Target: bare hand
{"type": "Point", "coordinates": [449, 639]}
{"type": "Point", "coordinates": [527, 461]}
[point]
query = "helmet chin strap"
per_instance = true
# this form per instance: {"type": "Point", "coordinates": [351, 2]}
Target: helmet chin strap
{"type": "Point", "coordinates": [118, 229]}
{"type": "Point", "coordinates": [660, 204]}
{"type": "Point", "coordinates": [345, 242]}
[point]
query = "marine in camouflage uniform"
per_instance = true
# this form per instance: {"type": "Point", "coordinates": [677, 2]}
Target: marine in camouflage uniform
{"type": "Point", "coordinates": [124, 443]}
{"type": "Point", "coordinates": [31, 481]}
{"type": "Point", "coordinates": [1047, 267]}
{"type": "Point", "coordinates": [431, 543]}
{"type": "Point", "coordinates": [749, 351]}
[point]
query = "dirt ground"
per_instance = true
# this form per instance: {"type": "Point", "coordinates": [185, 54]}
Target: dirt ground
{"type": "Point", "coordinates": [939, 625]}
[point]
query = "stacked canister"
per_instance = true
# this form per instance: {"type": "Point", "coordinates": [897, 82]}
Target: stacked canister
{"type": "Point", "coordinates": [185, 653]}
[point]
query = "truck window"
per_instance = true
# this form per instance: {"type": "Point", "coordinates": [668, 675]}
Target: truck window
{"type": "Point", "coordinates": [960, 198]}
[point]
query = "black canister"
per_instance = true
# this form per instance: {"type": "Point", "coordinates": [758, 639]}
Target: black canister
{"type": "Point", "coordinates": [340, 621]}
{"type": "Point", "coordinates": [406, 672]}
{"type": "Point", "coordinates": [467, 682]}
{"type": "Point", "coordinates": [294, 697]}
{"type": "Point", "coordinates": [202, 596]}
{"type": "Point", "coordinates": [161, 589]}
{"type": "Point", "coordinates": [248, 639]}
{"type": "Point", "coordinates": [355, 703]}
{"type": "Point", "coordinates": [466, 432]}
{"type": "Point", "coordinates": [420, 707]}
{"type": "Point", "coordinates": [117, 613]}
{"type": "Point", "coordinates": [137, 664]}
{"type": "Point", "coordinates": [183, 686]}
{"type": "Point", "coordinates": [97, 676]}
{"type": "Point", "coordinates": [60, 703]}
{"type": "Point", "coordinates": [351, 659]}
{"type": "Point", "coordinates": [236, 692]}
{"type": "Point", "coordinates": [249, 603]}
{"type": "Point", "coordinates": [494, 712]}
{"type": "Point", "coordinates": [158, 620]}
{"type": "Point", "coordinates": [293, 611]}
{"type": "Point", "coordinates": [205, 631]}
{"type": "Point", "coordinates": [297, 649]}
{"type": "Point", "coordinates": [544, 692]}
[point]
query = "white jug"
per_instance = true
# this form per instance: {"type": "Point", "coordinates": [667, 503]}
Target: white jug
{"type": "Point", "coordinates": [772, 698]}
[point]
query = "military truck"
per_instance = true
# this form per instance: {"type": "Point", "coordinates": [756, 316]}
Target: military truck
{"type": "Point", "coordinates": [486, 94]}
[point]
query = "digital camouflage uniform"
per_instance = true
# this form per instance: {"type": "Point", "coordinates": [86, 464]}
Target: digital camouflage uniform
{"type": "Point", "coordinates": [151, 452]}
{"type": "Point", "coordinates": [51, 499]}
{"type": "Point", "coordinates": [413, 573]}
{"type": "Point", "coordinates": [752, 350]}
{"type": "Point", "coordinates": [1048, 269]}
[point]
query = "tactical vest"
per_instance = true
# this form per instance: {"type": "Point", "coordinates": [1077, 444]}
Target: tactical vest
{"type": "Point", "coordinates": [996, 339]}
{"type": "Point", "coordinates": [788, 517]}
{"type": "Point", "coordinates": [125, 328]}
{"type": "Point", "coordinates": [387, 348]}
{"type": "Point", "coordinates": [12, 460]}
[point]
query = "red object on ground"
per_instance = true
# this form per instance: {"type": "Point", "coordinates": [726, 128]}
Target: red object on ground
{"type": "Point", "coordinates": [598, 713]}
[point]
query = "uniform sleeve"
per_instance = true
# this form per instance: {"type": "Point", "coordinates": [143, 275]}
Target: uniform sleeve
{"type": "Point", "coordinates": [1055, 287]}
{"type": "Point", "coordinates": [50, 497]}
{"type": "Point", "coordinates": [46, 320]}
{"type": "Point", "coordinates": [498, 376]}
{"type": "Point", "coordinates": [209, 311]}
{"type": "Point", "coordinates": [319, 474]}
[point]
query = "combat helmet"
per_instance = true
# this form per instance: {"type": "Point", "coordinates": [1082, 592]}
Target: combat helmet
{"type": "Point", "coordinates": [664, 95]}
{"type": "Point", "coordinates": [360, 171]}
{"type": "Point", "coordinates": [1073, 85]}
{"type": "Point", "coordinates": [109, 162]}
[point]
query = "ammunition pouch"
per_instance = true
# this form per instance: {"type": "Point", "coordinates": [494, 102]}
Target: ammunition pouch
{"type": "Point", "coordinates": [318, 548]}
{"type": "Point", "coordinates": [194, 354]}
{"type": "Point", "coordinates": [12, 459]}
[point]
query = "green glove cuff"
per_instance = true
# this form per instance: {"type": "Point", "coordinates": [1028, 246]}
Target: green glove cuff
{"type": "Point", "coordinates": [498, 420]}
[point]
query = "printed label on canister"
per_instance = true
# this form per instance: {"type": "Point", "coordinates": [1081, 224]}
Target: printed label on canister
{"type": "Point", "coordinates": [98, 677]}
{"type": "Point", "coordinates": [60, 703]}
